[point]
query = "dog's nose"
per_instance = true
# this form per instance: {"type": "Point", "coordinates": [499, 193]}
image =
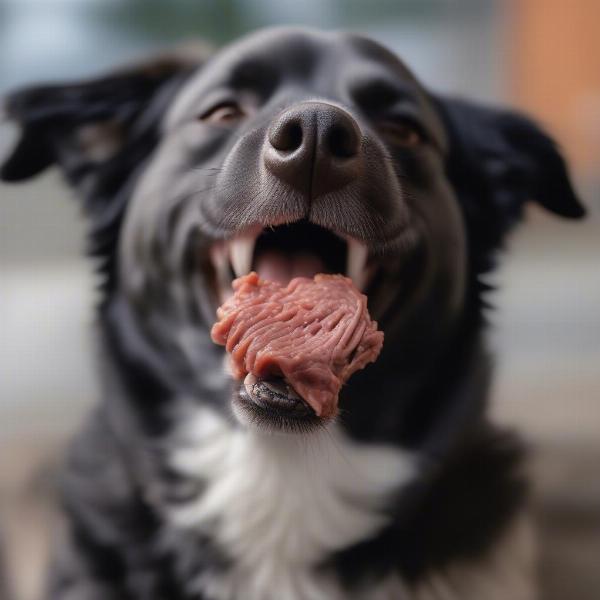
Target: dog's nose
{"type": "Point", "coordinates": [315, 147]}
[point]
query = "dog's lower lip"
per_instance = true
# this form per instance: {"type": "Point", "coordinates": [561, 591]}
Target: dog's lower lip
{"type": "Point", "coordinates": [264, 409]}
{"type": "Point", "coordinates": [276, 394]}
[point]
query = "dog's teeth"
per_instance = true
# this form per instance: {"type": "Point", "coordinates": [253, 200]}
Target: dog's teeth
{"type": "Point", "coordinates": [218, 256]}
{"type": "Point", "coordinates": [240, 254]}
{"type": "Point", "coordinates": [357, 262]}
{"type": "Point", "coordinates": [220, 261]}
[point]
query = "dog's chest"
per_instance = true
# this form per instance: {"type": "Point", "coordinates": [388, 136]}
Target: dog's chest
{"type": "Point", "coordinates": [279, 505]}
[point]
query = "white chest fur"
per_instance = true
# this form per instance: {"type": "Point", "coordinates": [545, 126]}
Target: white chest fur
{"type": "Point", "coordinates": [279, 504]}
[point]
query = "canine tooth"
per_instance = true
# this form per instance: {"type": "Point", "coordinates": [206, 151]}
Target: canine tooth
{"type": "Point", "coordinates": [220, 262]}
{"type": "Point", "coordinates": [218, 257]}
{"type": "Point", "coordinates": [249, 383]}
{"type": "Point", "coordinates": [357, 262]}
{"type": "Point", "coordinates": [240, 254]}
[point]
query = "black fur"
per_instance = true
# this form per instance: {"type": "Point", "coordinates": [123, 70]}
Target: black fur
{"type": "Point", "coordinates": [461, 189]}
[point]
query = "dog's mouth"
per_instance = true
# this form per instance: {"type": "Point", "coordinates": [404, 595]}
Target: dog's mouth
{"type": "Point", "coordinates": [280, 253]}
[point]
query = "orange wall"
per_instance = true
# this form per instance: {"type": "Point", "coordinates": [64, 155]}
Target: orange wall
{"type": "Point", "coordinates": [555, 64]}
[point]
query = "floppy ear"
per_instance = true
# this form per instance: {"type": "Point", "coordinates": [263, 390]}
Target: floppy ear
{"type": "Point", "coordinates": [98, 132]}
{"type": "Point", "coordinates": [501, 159]}
{"type": "Point", "coordinates": [84, 126]}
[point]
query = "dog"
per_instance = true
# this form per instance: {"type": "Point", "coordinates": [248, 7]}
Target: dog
{"type": "Point", "coordinates": [289, 141]}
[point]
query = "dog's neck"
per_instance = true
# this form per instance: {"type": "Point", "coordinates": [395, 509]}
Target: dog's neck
{"type": "Point", "coordinates": [281, 505]}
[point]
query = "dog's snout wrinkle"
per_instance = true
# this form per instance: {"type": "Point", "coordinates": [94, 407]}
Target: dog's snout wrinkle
{"type": "Point", "coordinates": [315, 147]}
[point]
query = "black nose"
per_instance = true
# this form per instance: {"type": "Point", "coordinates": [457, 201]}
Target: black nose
{"type": "Point", "coordinates": [315, 147]}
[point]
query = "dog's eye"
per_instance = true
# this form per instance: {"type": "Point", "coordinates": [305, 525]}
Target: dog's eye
{"type": "Point", "coordinates": [226, 112]}
{"type": "Point", "coordinates": [402, 133]}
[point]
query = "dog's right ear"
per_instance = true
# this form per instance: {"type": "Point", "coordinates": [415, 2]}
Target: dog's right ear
{"type": "Point", "coordinates": [81, 126]}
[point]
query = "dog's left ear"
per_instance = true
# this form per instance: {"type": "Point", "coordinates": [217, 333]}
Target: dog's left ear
{"type": "Point", "coordinates": [81, 126]}
{"type": "Point", "coordinates": [502, 157]}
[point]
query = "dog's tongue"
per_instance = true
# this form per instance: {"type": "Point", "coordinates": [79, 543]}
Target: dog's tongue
{"type": "Point", "coordinates": [282, 268]}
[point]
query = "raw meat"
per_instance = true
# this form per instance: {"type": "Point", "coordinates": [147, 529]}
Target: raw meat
{"type": "Point", "coordinates": [315, 333]}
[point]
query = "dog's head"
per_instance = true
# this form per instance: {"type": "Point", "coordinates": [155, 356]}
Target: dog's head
{"type": "Point", "coordinates": [293, 152]}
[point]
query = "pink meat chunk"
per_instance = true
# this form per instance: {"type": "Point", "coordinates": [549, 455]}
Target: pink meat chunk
{"type": "Point", "coordinates": [315, 333]}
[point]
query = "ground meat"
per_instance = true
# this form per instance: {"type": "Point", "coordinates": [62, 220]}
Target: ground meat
{"type": "Point", "coordinates": [315, 333]}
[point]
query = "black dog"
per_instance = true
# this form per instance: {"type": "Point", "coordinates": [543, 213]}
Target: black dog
{"type": "Point", "coordinates": [290, 143]}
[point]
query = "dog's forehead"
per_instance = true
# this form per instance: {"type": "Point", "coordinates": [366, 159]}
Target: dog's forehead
{"type": "Point", "coordinates": [298, 56]}
{"type": "Point", "coordinates": [299, 51]}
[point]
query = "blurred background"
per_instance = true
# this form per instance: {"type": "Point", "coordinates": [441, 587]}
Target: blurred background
{"type": "Point", "coordinates": [542, 56]}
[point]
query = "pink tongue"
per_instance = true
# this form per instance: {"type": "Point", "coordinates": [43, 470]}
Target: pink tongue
{"type": "Point", "coordinates": [281, 268]}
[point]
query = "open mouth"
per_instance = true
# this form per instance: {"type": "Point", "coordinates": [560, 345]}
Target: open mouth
{"type": "Point", "coordinates": [280, 253]}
